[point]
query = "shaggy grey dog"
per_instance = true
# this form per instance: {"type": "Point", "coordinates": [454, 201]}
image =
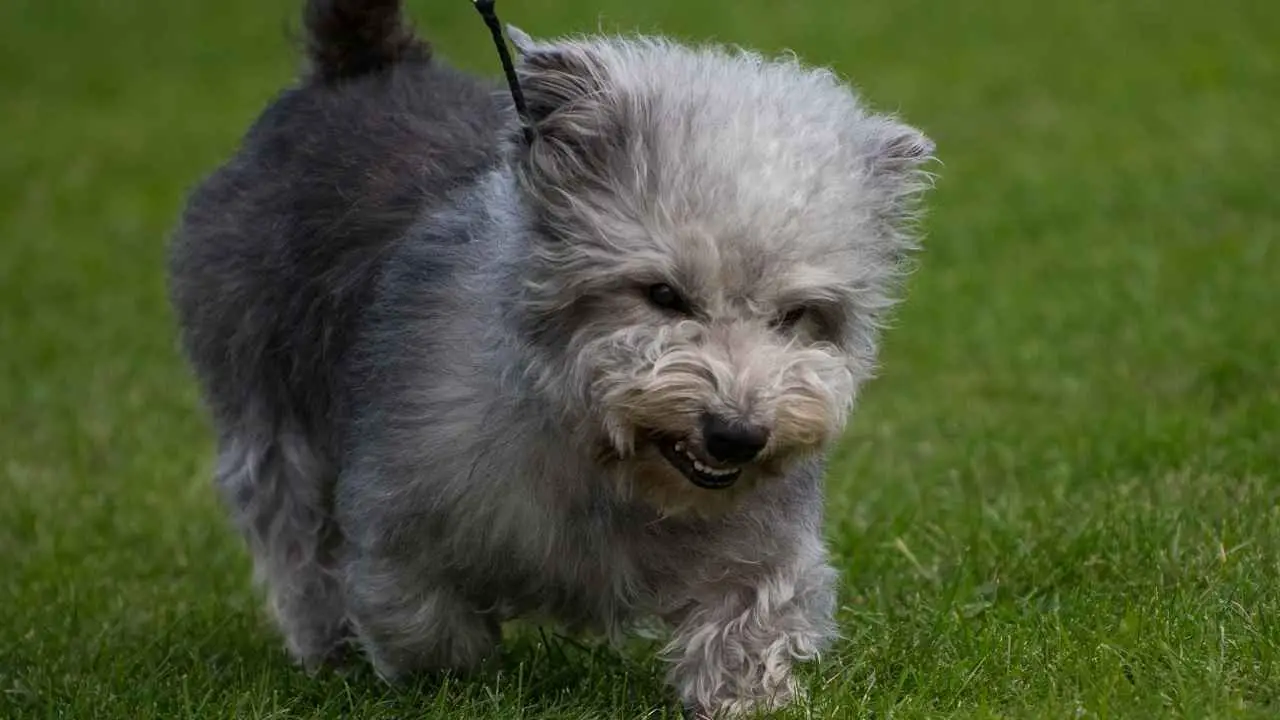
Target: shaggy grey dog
{"type": "Point", "coordinates": [461, 375]}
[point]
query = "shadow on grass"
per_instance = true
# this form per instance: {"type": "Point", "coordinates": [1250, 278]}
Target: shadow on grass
{"type": "Point", "coordinates": [536, 674]}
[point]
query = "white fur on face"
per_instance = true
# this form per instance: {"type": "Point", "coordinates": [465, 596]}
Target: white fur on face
{"type": "Point", "coordinates": [751, 187]}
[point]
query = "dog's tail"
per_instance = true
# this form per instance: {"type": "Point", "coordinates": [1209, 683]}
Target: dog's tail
{"type": "Point", "coordinates": [350, 38]}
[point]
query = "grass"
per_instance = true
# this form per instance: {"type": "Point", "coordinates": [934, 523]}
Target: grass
{"type": "Point", "coordinates": [1061, 499]}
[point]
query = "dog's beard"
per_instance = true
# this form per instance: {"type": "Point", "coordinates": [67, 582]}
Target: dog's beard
{"type": "Point", "coordinates": [697, 415]}
{"type": "Point", "coordinates": [652, 435]}
{"type": "Point", "coordinates": [670, 471]}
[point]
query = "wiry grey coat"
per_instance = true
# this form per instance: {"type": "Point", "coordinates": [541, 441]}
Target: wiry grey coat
{"type": "Point", "coordinates": [459, 376]}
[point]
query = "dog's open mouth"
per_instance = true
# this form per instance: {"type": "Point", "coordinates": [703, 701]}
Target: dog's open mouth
{"type": "Point", "coordinates": [700, 471]}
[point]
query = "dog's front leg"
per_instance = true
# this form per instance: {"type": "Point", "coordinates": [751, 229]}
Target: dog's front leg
{"type": "Point", "coordinates": [733, 649]}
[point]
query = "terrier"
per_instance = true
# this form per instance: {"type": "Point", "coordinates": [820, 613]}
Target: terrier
{"type": "Point", "coordinates": [584, 363]}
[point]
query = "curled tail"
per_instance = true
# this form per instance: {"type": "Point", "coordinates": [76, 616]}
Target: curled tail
{"type": "Point", "coordinates": [350, 38]}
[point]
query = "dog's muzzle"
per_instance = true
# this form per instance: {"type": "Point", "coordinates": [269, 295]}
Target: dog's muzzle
{"type": "Point", "coordinates": [715, 463]}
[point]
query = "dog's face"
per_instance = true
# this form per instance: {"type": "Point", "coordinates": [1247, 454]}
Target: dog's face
{"type": "Point", "coordinates": [717, 240]}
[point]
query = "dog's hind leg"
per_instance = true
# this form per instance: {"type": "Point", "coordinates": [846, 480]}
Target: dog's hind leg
{"type": "Point", "coordinates": [407, 624]}
{"type": "Point", "coordinates": [276, 485]}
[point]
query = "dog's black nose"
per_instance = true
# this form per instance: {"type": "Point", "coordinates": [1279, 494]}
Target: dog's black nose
{"type": "Point", "coordinates": [732, 442]}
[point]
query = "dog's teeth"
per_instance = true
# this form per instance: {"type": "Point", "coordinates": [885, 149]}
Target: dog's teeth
{"type": "Point", "coordinates": [680, 446]}
{"type": "Point", "coordinates": [713, 472]}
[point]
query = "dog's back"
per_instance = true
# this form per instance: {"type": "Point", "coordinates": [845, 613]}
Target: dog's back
{"type": "Point", "coordinates": [278, 251]}
{"type": "Point", "coordinates": [278, 248]}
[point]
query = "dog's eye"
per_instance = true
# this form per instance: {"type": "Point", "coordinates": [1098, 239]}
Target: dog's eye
{"type": "Point", "coordinates": [664, 296]}
{"type": "Point", "coordinates": [791, 318]}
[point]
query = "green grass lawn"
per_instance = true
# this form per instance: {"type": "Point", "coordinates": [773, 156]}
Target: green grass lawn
{"type": "Point", "coordinates": [1061, 499]}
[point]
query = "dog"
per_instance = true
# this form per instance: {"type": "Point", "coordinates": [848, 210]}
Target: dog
{"type": "Point", "coordinates": [584, 365]}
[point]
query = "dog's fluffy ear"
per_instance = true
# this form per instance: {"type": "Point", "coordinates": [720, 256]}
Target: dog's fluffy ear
{"type": "Point", "coordinates": [895, 157]}
{"type": "Point", "coordinates": [568, 106]}
{"type": "Point", "coordinates": [561, 84]}
{"type": "Point", "coordinates": [898, 149]}
{"type": "Point", "coordinates": [521, 40]}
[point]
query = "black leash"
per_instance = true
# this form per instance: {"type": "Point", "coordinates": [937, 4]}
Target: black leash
{"type": "Point", "coordinates": [485, 8]}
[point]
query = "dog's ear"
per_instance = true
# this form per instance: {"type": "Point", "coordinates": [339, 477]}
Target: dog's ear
{"type": "Point", "coordinates": [521, 39]}
{"type": "Point", "coordinates": [560, 82]}
{"type": "Point", "coordinates": [895, 156]}
{"type": "Point", "coordinates": [895, 149]}
{"type": "Point", "coordinates": [572, 118]}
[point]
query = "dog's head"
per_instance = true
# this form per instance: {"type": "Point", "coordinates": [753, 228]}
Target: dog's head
{"type": "Point", "coordinates": [717, 239]}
